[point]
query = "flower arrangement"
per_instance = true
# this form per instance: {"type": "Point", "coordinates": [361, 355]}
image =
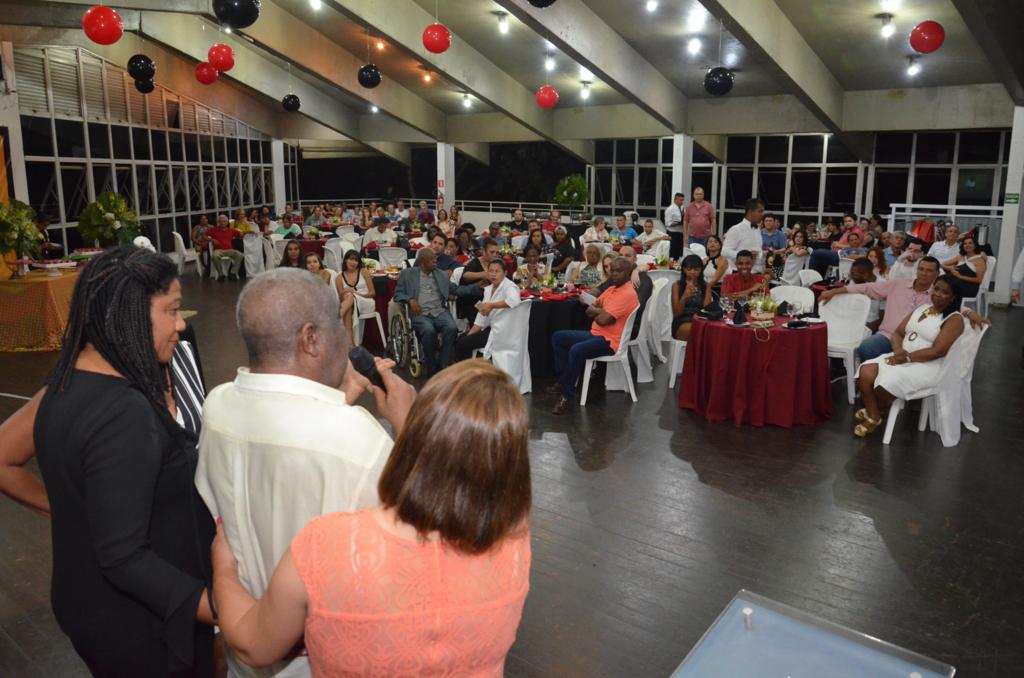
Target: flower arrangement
{"type": "Point", "coordinates": [572, 191]}
{"type": "Point", "coordinates": [663, 262]}
{"type": "Point", "coordinates": [370, 265]}
{"type": "Point", "coordinates": [18, 232]}
{"type": "Point", "coordinates": [108, 221]}
{"type": "Point", "coordinates": [550, 282]}
{"type": "Point", "coordinates": [762, 310]}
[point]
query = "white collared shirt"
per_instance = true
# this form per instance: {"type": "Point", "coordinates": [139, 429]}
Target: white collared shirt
{"type": "Point", "coordinates": [742, 237]}
{"type": "Point", "coordinates": [943, 251]}
{"type": "Point", "coordinates": [674, 218]}
{"type": "Point", "coordinates": [277, 451]}
{"type": "Point", "coordinates": [499, 318]}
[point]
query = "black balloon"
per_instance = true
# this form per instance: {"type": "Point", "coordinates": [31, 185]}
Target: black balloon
{"type": "Point", "coordinates": [237, 13]}
{"type": "Point", "coordinates": [291, 103]}
{"type": "Point", "coordinates": [145, 86]}
{"type": "Point", "coordinates": [141, 67]}
{"type": "Point", "coordinates": [369, 76]}
{"type": "Point", "coordinates": [542, 3]}
{"type": "Point", "coordinates": [718, 81]}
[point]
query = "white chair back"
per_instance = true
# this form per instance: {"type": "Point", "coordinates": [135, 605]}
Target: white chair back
{"type": "Point", "coordinates": [660, 250]}
{"type": "Point", "coordinates": [519, 241]}
{"type": "Point", "coordinates": [808, 277]}
{"type": "Point", "coordinates": [351, 237]}
{"type": "Point", "coordinates": [334, 252]}
{"type": "Point", "coordinates": [179, 251]}
{"type": "Point", "coordinates": [276, 236]}
{"type": "Point", "coordinates": [627, 332]}
{"type": "Point", "coordinates": [344, 230]}
{"type": "Point", "coordinates": [509, 349]}
{"type": "Point", "coordinates": [571, 269]}
{"type": "Point", "coordinates": [605, 247]}
{"type": "Point", "coordinates": [334, 282]}
{"type": "Point", "coordinates": [844, 315]}
{"type": "Point", "coordinates": [698, 249]}
{"type": "Point", "coordinates": [794, 265]}
{"type": "Point", "coordinates": [270, 257]}
{"type": "Point", "coordinates": [252, 248]}
{"type": "Point", "coordinates": [971, 340]}
{"type": "Point", "coordinates": [653, 316]}
{"type": "Point", "coordinates": [644, 260]}
{"type": "Point", "coordinates": [457, 274]}
{"type": "Point", "coordinates": [792, 294]}
{"type": "Point", "coordinates": [844, 268]}
{"type": "Point", "coordinates": [392, 257]}
{"type": "Point", "coordinates": [279, 247]}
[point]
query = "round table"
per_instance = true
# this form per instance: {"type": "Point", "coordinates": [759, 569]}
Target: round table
{"type": "Point", "coordinates": [546, 318]}
{"type": "Point", "coordinates": [34, 310]}
{"type": "Point", "coordinates": [316, 245]}
{"type": "Point", "coordinates": [772, 376]}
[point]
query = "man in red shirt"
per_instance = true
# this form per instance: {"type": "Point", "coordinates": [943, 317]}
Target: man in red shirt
{"type": "Point", "coordinates": [743, 283]}
{"type": "Point", "coordinates": [699, 219]}
{"type": "Point", "coordinates": [222, 235]}
{"type": "Point", "coordinates": [553, 222]}
{"type": "Point", "coordinates": [574, 347]}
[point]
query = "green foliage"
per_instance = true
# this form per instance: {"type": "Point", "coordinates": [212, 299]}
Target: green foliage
{"type": "Point", "coordinates": [18, 230]}
{"type": "Point", "coordinates": [108, 221]}
{"type": "Point", "coordinates": [572, 192]}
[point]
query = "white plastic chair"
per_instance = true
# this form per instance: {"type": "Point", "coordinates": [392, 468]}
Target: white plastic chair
{"type": "Point", "coordinates": [678, 356]}
{"type": "Point", "coordinates": [698, 249]}
{"type": "Point", "coordinates": [343, 230]}
{"type": "Point", "coordinates": [518, 241]}
{"type": "Point", "coordinates": [621, 356]}
{"type": "Point", "coordinates": [252, 247]}
{"type": "Point", "coordinates": [279, 247]}
{"type": "Point", "coordinates": [794, 265]}
{"type": "Point", "coordinates": [644, 260]}
{"type": "Point", "coordinates": [359, 324]}
{"type": "Point", "coordinates": [793, 294]}
{"type": "Point", "coordinates": [334, 253]}
{"type": "Point", "coordinates": [844, 268]}
{"type": "Point", "coordinates": [980, 301]}
{"type": "Point", "coordinates": [392, 257]}
{"type": "Point", "coordinates": [604, 247]}
{"type": "Point", "coordinates": [649, 320]}
{"type": "Point", "coordinates": [809, 276]}
{"type": "Point", "coordinates": [660, 250]}
{"type": "Point", "coordinates": [509, 350]}
{"type": "Point", "coordinates": [971, 341]}
{"type": "Point", "coordinates": [844, 316]}
{"type": "Point", "coordinates": [422, 240]}
{"type": "Point", "coordinates": [270, 258]}
{"type": "Point", "coordinates": [181, 254]}
{"type": "Point", "coordinates": [572, 268]}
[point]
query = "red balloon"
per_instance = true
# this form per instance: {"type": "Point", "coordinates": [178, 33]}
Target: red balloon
{"type": "Point", "coordinates": [205, 73]}
{"type": "Point", "coordinates": [547, 97]}
{"type": "Point", "coordinates": [927, 37]}
{"type": "Point", "coordinates": [102, 25]}
{"type": "Point", "coordinates": [437, 38]}
{"type": "Point", "coordinates": [221, 57]}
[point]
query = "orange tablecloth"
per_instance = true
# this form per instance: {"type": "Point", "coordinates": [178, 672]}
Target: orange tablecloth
{"type": "Point", "coordinates": [34, 311]}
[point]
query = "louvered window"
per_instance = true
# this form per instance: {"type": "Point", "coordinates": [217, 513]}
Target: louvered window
{"type": "Point", "coordinates": [137, 106]}
{"type": "Point", "coordinates": [230, 128]}
{"type": "Point", "coordinates": [116, 94]}
{"type": "Point", "coordinates": [156, 108]}
{"type": "Point", "coordinates": [216, 124]}
{"type": "Point", "coordinates": [67, 97]}
{"type": "Point", "coordinates": [92, 77]}
{"type": "Point", "coordinates": [188, 116]}
{"type": "Point", "coordinates": [30, 79]}
{"type": "Point", "coordinates": [203, 116]}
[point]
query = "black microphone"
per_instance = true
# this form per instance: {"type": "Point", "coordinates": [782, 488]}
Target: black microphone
{"type": "Point", "coordinates": [365, 365]}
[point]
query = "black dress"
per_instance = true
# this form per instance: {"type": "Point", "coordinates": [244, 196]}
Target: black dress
{"type": "Point", "coordinates": [131, 535]}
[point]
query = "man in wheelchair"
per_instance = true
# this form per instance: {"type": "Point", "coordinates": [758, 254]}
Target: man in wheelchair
{"type": "Point", "coordinates": [425, 290]}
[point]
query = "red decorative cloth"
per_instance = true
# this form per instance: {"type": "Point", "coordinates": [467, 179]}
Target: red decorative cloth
{"type": "Point", "coordinates": [777, 376]}
{"type": "Point", "coordinates": [372, 245]}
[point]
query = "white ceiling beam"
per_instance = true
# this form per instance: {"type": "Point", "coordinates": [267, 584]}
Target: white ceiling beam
{"type": "Point", "coordinates": [619, 121]}
{"type": "Point", "coordinates": [923, 108]}
{"type": "Point", "coordinates": [492, 127]}
{"type": "Point", "coordinates": [581, 34]}
{"type": "Point", "coordinates": [780, 114]}
{"type": "Point", "coordinates": [383, 127]}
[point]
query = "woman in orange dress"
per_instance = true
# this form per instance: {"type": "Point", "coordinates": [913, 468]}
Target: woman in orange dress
{"type": "Point", "coordinates": [430, 582]}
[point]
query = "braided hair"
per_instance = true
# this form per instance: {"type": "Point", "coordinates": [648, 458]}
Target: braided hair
{"type": "Point", "coordinates": [110, 310]}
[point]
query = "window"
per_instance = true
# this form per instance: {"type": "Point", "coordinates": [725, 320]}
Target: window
{"type": "Point", "coordinates": [140, 138]}
{"type": "Point", "coordinates": [808, 147]}
{"type": "Point", "coordinates": [739, 183]}
{"type": "Point", "coordinates": [602, 187]}
{"type": "Point", "coordinates": [647, 151]}
{"type": "Point", "coordinates": [838, 152]}
{"type": "Point", "coordinates": [145, 186]}
{"type": "Point", "coordinates": [123, 177]}
{"type": "Point", "coordinates": [740, 150]}
{"type": "Point", "coordinates": [121, 138]}
{"type": "Point", "coordinates": [159, 145]}
{"type": "Point", "coordinates": [931, 186]}
{"type": "Point", "coordinates": [624, 186]}
{"type": "Point", "coordinates": [803, 190]}
{"type": "Point", "coordinates": [42, 187]}
{"type": "Point", "coordinates": [99, 140]}
{"type": "Point", "coordinates": [162, 190]}
{"type": "Point", "coordinates": [206, 147]}
{"type": "Point", "coordinates": [603, 152]}
{"type": "Point", "coordinates": [974, 186]}
{"type": "Point", "coordinates": [36, 136]}
{"type": "Point", "coordinates": [647, 185]}
{"type": "Point", "coordinates": [625, 151]}
{"type": "Point", "coordinates": [893, 148]}
{"type": "Point", "coordinates": [195, 189]}
{"type": "Point", "coordinates": [103, 179]}
{"type": "Point", "coordinates": [977, 147]}
{"type": "Point", "coordinates": [890, 187]}
{"type": "Point", "coordinates": [232, 145]}
{"type": "Point", "coordinates": [70, 138]}
{"type": "Point", "coordinates": [254, 152]}
{"type": "Point", "coordinates": [177, 149]}
{"type": "Point", "coordinates": [935, 148]}
{"type": "Point", "coordinates": [666, 150]}
{"type": "Point", "coordinates": [773, 150]}
{"type": "Point", "coordinates": [771, 187]}
{"type": "Point", "coordinates": [840, 189]}
{"type": "Point", "coordinates": [219, 153]}
{"type": "Point", "coordinates": [76, 195]}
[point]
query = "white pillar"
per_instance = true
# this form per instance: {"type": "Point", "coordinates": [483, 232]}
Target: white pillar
{"type": "Point", "coordinates": [11, 119]}
{"type": "Point", "coordinates": [280, 187]}
{"type": "Point", "coordinates": [445, 175]}
{"type": "Point", "coordinates": [1011, 209]}
{"type": "Point", "coordinates": [682, 165]}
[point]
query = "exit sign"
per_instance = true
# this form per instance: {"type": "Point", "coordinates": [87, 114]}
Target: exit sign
{"type": "Point", "coordinates": [1012, 199]}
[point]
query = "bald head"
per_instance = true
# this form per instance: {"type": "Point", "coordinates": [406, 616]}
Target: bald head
{"type": "Point", "coordinates": [289, 321]}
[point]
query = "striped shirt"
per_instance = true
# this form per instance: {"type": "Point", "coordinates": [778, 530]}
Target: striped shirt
{"type": "Point", "coordinates": [189, 393]}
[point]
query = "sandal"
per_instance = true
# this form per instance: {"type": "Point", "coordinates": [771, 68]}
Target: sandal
{"type": "Point", "coordinates": [867, 427]}
{"type": "Point", "coordinates": [861, 414]}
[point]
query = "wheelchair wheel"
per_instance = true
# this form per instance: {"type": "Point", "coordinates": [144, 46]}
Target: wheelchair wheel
{"type": "Point", "coordinates": [415, 368]}
{"type": "Point", "coordinates": [398, 341]}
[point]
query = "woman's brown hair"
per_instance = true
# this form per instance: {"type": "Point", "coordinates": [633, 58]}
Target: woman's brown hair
{"type": "Point", "coordinates": [883, 265]}
{"type": "Point", "coordinates": [461, 465]}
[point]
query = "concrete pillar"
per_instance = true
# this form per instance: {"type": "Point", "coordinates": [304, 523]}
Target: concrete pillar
{"type": "Point", "coordinates": [1011, 209]}
{"type": "Point", "coordinates": [682, 165]}
{"type": "Point", "coordinates": [445, 175]}
{"type": "Point", "coordinates": [280, 187]}
{"type": "Point", "coordinates": [11, 119]}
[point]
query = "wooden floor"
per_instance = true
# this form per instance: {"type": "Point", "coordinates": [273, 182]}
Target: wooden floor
{"type": "Point", "coordinates": [647, 520]}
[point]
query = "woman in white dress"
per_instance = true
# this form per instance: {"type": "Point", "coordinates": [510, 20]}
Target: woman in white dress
{"type": "Point", "coordinates": [715, 265]}
{"type": "Point", "coordinates": [919, 343]}
{"type": "Point", "coordinates": [355, 289]}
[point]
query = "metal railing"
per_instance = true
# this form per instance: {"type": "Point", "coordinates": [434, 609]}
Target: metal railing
{"type": "Point", "coordinates": [463, 205]}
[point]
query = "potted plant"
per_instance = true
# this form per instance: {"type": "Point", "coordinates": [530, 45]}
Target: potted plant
{"type": "Point", "coordinates": [572, 192]}
{"type": "Point", "coordinates": [108, 221]}
{"type": "Point", "coordinates": [18, 233]}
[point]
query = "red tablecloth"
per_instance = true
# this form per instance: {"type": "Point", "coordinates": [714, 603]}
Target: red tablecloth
{"type": "Point", "coordinates": [313, 246]}
{"type": "Point", "coordinates": [384, 289]}
{"type": "Point", "coordinates": [781, 380]}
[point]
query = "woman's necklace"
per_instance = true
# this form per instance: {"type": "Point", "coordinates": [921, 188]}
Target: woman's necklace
{"type": "Point", "coordinates": [931, 310]}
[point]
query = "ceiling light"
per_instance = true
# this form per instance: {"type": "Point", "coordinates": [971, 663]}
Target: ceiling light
{"type": "Point", "coordinates": [585, 92]}
{"type": "Point", "coordinates": [693, 46]}
{"type": "Point", "coordinates": [585, 74]}
{"type": "Point", "coordinates": [549, 63]}
{"type": "Point", "coordinates": [380, 45]}
{"type": "Point", "coordinates": [890, 5]}
{"type": "Point", "coordinates": [502, 23]}
{"type": "Point", "coordinates": [316, 5]}
{"type": "Point", "coordinates": [427, 77]}
{"type": "Point", "coordinates": [652, 5]}
{"type": "Point", "coordinates": [696, 19]}
{"type": "Point", "coordinates": [374, 109]}
{"type": "Point", "coordinates": [227, 29]}
{"type": "Point", "coordinates": [914, 68]}
{"type": "Point", "coordinates": [888, 27]}
{"type": "Point", "coordinates": [466, 103]}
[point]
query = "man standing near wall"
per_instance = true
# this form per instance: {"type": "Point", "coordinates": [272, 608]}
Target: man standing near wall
{"type": "Point", "coordinates": [674, 226]}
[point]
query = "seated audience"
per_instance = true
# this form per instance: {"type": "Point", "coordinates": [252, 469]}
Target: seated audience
{"type": "Point", "coordinates": [897, 240]}
{"type": "Point", "coordinates": [821, 259]}
{"type": "Point", "coordinates": [354, 286]}
{"type": "Point", "coordinates": [315, 265]}
{"type": "Point", "coordinates": [591, 274]}
{"type": "Point", "coordinates": [597, 232]}
{"type": "Point", "coordinates": [445, 261]}
{"type": "Point", "coordinates": [689, 295]}
{"type": "Point", "coordinates": [424, 215]}
{"type": "Point", "coordinates": [518, 223]}
{"type": "Point", "coordinates": [531, 272]}
{"type": "Point", "coordinates": [474, 280]}
{"type": "Point", "coordinates": [877, 258]}
{"type": "Point", "coordinates": [455, 217]}
{"type": "Point", "coordinates": [314, 221]}
{"type": "Point", "coordinates": [862, 272]}
{"type": "Point", "coordinates": [289, 215]}
{"type": "Point", "coordinates": [905, 266]}
{"type": "Point", "coordinates": [284, 442]}
{"type": "Point", "coordinates": [853, 249]}
{"type": "Point", "coordinates": [464, 238]}
{"type": "Point", "coordinates": [919, 342]}
{"type": "Point", "coordinates": [968, 266]}
{"type": "Point", "coordinates": [552, 222]}
{"type": "Point", "coordinates": [773, 240]}
{"type": "Point", "coordinates": [622, 230]}
{"type": "Point", "coordinates": [292, 257]}
{"type": "Point", "coordinates": [716, 266]}
{"type": "Point", "coordinates": [642, 283]}
{"type": "Point", "coordinates": [947, 249]}
{"type": "Point", "coordinates": [244, 224]}
{"type": "Point", "coordinates": [381, 233]}
{"type": "Point", "coordinates": [287, 228]}
{"type": "Point", "coordinates": [429, 583]}
{"type": "Point", "coordinates": [563, 250]}
{"type": "Point", "coordinates": [425, 290]}
{"type": "Point", "coordinates": [221, 235]}
{"type": "Point", "coordinates": [267, 225]}
{"type": "Point", "coordinates": [650, 237]}
{"type": "Point", "coordinates": [539, 241]}
{"type": "Point", "coordinates": [743, 283]}
{"type": "Point", "coordinates": [494, 233]}
{"type": "Point", "coordinates": [606, 264]}
{"type": "Point", "coordinates": [443, 223]}
{"type": "Point", "coordinates": [572, 348]}
{"type": "Point", "coordinates": [492, 314]}
{"type": "Point", "coordinates": [391, 214]}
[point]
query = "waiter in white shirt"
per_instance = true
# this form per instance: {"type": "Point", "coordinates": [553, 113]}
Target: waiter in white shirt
{"type": "Point", "coordinates": [283, 443]}
{"type": "Point", "coordinates": [493, 313]}
{"type": "Point", "coordinates": [674, 226]}
{"type": "Point", "coordinates": [746, 235]}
